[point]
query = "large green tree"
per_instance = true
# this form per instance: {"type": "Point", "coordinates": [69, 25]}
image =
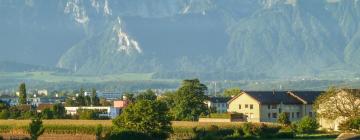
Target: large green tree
{"type": "Point", "coordinates": [189, 100]}
{"type": "Point", "coordinates": [95, 101]}
{"type": "Point", "coordinates": [147, 95]}
{"type": "Point", "coordinates": [231, 92]}
{"type": "Point", "coordinates": [22, 93]}
{"type": "Point", "coordinates": [81, 99]}
{"type": "Point", "coordinates": [59, 111]}
{"type": "Point", "coordinates": [146, 116]}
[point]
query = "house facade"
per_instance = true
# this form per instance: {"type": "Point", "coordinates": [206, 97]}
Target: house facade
{"type": "Point", "coordinates": [109, 111]}
{"type": "Point", "coordinates": [218, 103]}
{"type": "Point", "coordinates": [265, 106]}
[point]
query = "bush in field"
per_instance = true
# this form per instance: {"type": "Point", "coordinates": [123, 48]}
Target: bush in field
{"type": "Point", "coordinates": [47, 114]}
{"type": "Point", "coordinates": [250, 130]}
{"type": "Point", "coordinates": [4, 114]}
{"type": "Point", "coordinates": [98, 131]}
{"type": "Point", "coordinates": [129, 135]}
{"type": "Point", "coordinates": [211, 133]}
{"type": "Point", "coordinates": [59, 111]}
{"type": "Point", "coordinates": [306, 125]}
{"type": "Point", "coordinates": [350, 124]}
{"type": "Point", "coordinates": [283, 119]}
{"type": "Point", "coordinates": [86, 114]}
{"type": "Point", "coordinates": [27, 114]}
{"type": "Point", "coordinates": [35, 128]}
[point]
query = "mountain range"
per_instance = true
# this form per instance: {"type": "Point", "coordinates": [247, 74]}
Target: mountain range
{"type": "Point", "coordinates": [211, 39]}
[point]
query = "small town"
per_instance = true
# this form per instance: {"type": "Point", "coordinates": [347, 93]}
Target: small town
{"type": "Point", "coordinates": [187, 113]}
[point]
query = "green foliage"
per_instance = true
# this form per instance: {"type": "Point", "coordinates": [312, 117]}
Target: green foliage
{"type": "Point", "coordinates": [189, 101]}
{"type": "Point", "coordinates": [4, 114]}
{"type": "Point", "coordinates": [47, 114]}
{"type": "Point", "coordinates": [88, 114]}
{"type": "Point", "coordinates": [35, 128]}
{"type": "Point", "coordinates": [95, 101]}
{"type": "Point", "coordinates": [350, 124]}
{"type": "Point", "coordinates": [14, 112]}
{"type": "Point", "coordinates": [22, 93]}
{"type": "Point", "coordinates": [129, 96]}
{"type": "Point", "coordinates": [3, 105]}
{"type": "Point", "coordinates": [27, 114]}
{"type": "Point", "coordinates": [283, 119]}
{"type": "Point", "coordinates": [104, 102]}
{"type": "Point", "coordinates": [231, 92]}
{"type": "Point", "coordinates": [70, 102]}
{"type": "Point", "coordinates": [146, 116]}
{"type": "Point", "coordinates": [59, 111]}
{"type": "Point", "coordinates": [147, 95]}
{"type": "Point", "coordinates": [306, 125]}
{"type": "Point", "coordinates": [98, 131]}
{"type": "Point", "coordinates": [129, 135]}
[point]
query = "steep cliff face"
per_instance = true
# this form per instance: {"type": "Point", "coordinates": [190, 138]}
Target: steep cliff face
{"type": "Point", "coordinates": [182, 38]}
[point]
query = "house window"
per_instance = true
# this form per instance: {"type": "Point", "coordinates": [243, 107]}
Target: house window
{"type": "Point", "coordinates": [280, 110]}
{"type": "Point", "coordinates": [297, 114]}
{"type": "Point", "coordinates": [273, 106]}
{"type": "Point", "coordinates": [274, 115]}
{"type": "Point", "coordinates": [251, 106]}
{"type": "Point", "coordinates": [269, 107]}
{"type": "Point", "coordinates": [246, 105]}
{"type": "Point", "coordinates": [269, 115]}
{"type": "Point", "coordinates": [239, 106]}
{"type": "Point", "coordinates": [310, 114]}
{"type": "Point", "coordinates": [292, 115]}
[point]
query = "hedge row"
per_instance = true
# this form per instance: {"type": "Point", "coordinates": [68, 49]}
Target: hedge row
{"type": "Point", "coordinates": [57, 129]}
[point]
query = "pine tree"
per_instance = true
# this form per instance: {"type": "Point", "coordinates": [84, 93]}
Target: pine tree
{"type": "Point", "coordinates": [22, 93]}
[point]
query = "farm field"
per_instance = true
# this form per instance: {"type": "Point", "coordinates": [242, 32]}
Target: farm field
{"type": "Point", "coordinates": [175, 124]}
{"type": "Point", "coordinates": [85, 129]}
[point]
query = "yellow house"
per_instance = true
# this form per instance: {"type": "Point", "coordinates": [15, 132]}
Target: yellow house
{"type": "Point", "coordinates": [265, 106]}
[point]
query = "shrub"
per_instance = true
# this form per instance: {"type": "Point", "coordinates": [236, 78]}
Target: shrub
{"type": "Point", "coordinates": [350, 124]}
{"type": "Point", "coordinates": [98, 131]}
{"type": "Point", "coordinates": [129, 135]}
{"type": "Point", "coordinates": [86, 114]}
{"type": "Point", "coordinates": [283, 119]}
{"type": "Point", "coordinates": [306, 125]}
{"type": "Point", "coordinates": [286, 134]}
{"type": "Point", "coordinates": [250, 130]}
{"type": "Point", "coordinates": [47, 114]}
{"type": "Point", "coordinates": [267, 132]}
{"type": "Point", "coordinates": [35, 128]}
{"type": "Point", "coordinates": [4, 114]}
